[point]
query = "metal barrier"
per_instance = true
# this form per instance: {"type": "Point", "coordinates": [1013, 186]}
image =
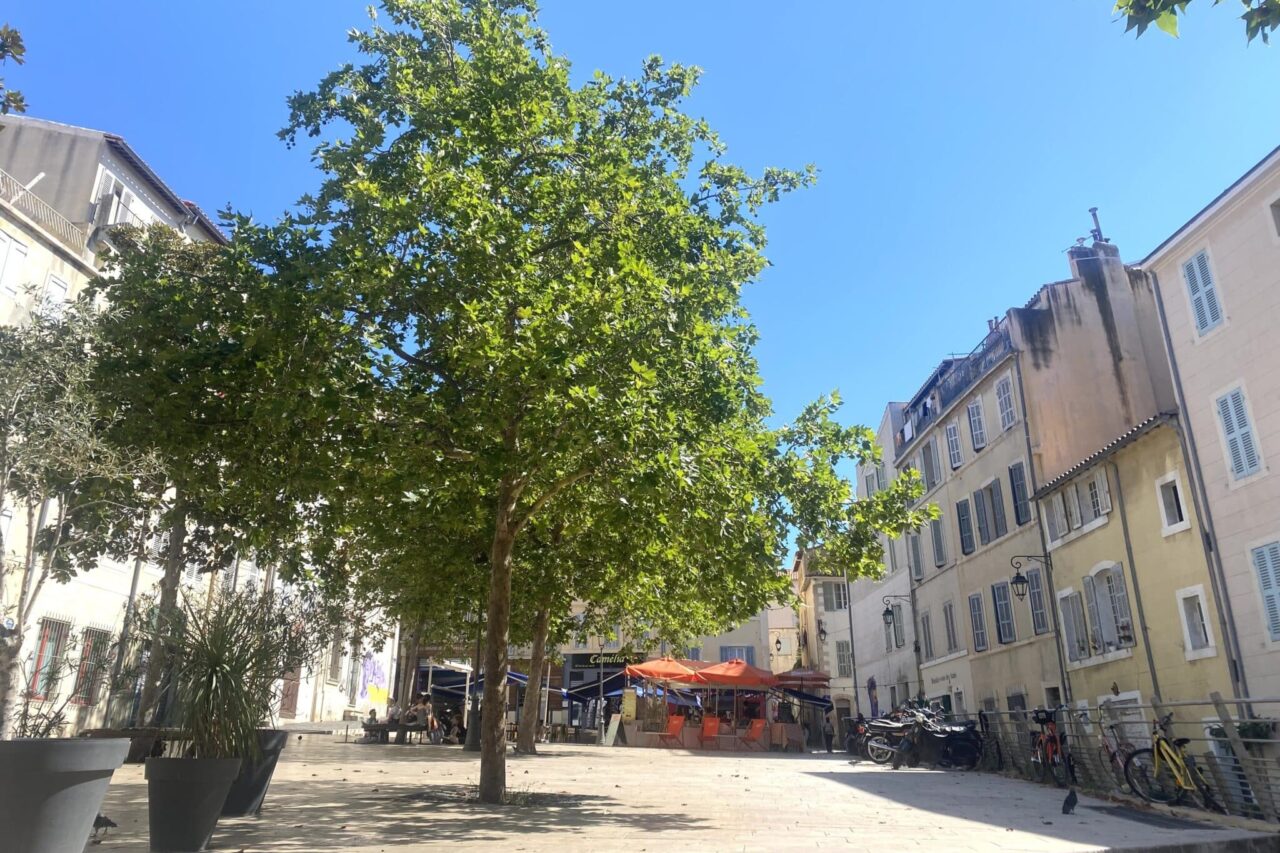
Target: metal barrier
{"type": "Point", "coordinates": [1232, 744]}
{"type": "Point", "coordinates": [12, 191]}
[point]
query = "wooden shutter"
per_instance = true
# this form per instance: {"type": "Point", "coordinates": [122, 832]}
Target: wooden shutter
{"type": "Point", "coordinates": [1242, 449]}
{"type": "Point", "coordinates": [977, 622]}
{"type": "Point", "coordinates": [1097, 644]}
{"type": "Point", "coordinates": [997, 510]}
{"type": "Point", "coordinates": [1267, 562]}
{"type": "Point", "coordinates": [1205, 306]}
{"type": "Point", "coordinates": [980, 511]}
{"type": "Point", "coordinates": [953, 445]}
{"type": "Point", "coordinates": [939, 550]}
{"type": "Point", "coordinates": [966, 526]}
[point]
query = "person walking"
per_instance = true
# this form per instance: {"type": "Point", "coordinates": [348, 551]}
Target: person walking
{"type": "Point", "coordinates": [828, 731]}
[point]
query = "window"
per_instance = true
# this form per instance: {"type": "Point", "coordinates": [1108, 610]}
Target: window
{"type": "Point", "coordinates": [579, 642]}
{"type": "Point", "coordinates": [1097, 497]}
{"type": "Point", "coordinates": [1071, 500]}
{"type": "Point", "coordinates": [989, 505]}
{"type": "Point", "coordinates": [93, 657]}
{"type": "Point", "coordinates": [978, 620]}
{"type": "Point", "coordinates": [1237, 431]}
{"type": "Point", "coordinates": [48, 667]}
{"type": "Point", "coordinates": [1173, 516]}
{"type": "Point", "coordinates": [949, 626]}
{"type": "Point", "coordinates": [939, 547]}
{"type": "Point", "coordinates": [13, 258]}
{"type": "Point", "coordinates": [834, 597]}
{"type": "Point", "coordinates": [1196, 636]}
{"type": "Point", "coordinates": [1073, 626]}
{"type": "Point", "coordinates": [898, 638]}
{"type": "Point", "coordinates": [844, 659]}
{"type": "Point", "coordinates": [743, 653]}
{"type": "Point", "coordinates": [871, 482]}
{"type": "Point", "coordinates": [1266, 560]}
{"type": "Point", "coordinates": [913, 555]}
{"type": "Point", "coordinates": [335, 658]}
{"type": "Point", "coordinates": [1110, 625]}
{"type": "Point", "coordinates": [977, 429]}
{"type": "Point", "coordinates": [929, 462]}
{"type": "Point", "coordinates": [615, 638]}
{"type": "Point", "coordinates": [1004, 400]}
{"type": "Point", "coordinates": [694, 653]}
{"type": "Point", "coordinates": [1018, 491]}
{"type": "Point", "coordinates": [1035, 597]}
{"type": "Point", "coordinates": [926, 635]}
{"type": "Point", "coordinates": [1205, 307]}
{"type": "Point", "coordinates": [1005, 629]}
{"type": "Point", "coordinates": [966, 526]}
{"type": "Point", "coordinates": [954, 453]}
{"type": "Point", "coordinates": [55, 294]}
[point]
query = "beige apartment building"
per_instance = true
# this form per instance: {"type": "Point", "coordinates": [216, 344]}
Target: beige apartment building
{"type": "Point", "coordinates": [1218, 281]}
{"type": "Point", "coordinates": [62, 191]}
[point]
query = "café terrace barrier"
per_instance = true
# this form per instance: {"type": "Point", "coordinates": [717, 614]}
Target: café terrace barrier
{"type": "Point", "coordinates": [1234, 742]}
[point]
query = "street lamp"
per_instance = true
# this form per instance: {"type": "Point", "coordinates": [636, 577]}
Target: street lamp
{"type": "Point", "coordinates": [777, 645]}
{"type": "Point", "coordinates": [822, 632]}
{"type": "Point", "coordinates": [887, 615]}
{"type": "Point", "coordinates": [1019, 581]}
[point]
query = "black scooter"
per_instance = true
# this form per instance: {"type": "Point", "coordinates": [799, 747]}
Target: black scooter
{"type": "Point", "coordinates": [939, 744]}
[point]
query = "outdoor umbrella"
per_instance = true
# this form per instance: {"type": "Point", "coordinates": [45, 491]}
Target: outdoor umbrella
{"type": "Point", "coordinates": [738, 673]}
{"type": "Point", "coordinates": [664, 669]}
{"type": "Point", "coordinates": [802, 679]}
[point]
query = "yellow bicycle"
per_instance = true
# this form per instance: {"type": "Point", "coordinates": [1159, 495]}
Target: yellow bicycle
{"type": "Point", "coordinates": [1165, 773]}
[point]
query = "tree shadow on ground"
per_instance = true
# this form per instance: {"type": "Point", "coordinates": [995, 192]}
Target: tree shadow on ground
{"type": "Point", "coordinates": [331, 815]}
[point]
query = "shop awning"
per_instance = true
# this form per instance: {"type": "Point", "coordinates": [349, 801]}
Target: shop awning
{"type": "Point", "coordinates": [800, 678]}
{"type": "Point", "coordinates": [808, 698]}
{"type": "Point", "coordinates": [737, 673]}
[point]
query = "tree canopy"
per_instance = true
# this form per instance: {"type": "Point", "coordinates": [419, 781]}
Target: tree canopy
{"type": "Point", "coordinates": [11, 47]}
{"type": "Point", "coordinates": [1261, 17]}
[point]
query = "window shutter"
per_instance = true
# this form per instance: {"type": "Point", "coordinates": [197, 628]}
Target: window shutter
{"type": "Point", "coordinates": [1051, 519]}
{"type": "Point", "coordinates": [1104, 493]}
{"type": "Point", "coordinates": [1205, 305]}
{"type": "Point", "coordinates": [939, 550]}
{"type": "Point", "coordinates": [966, 526]}
{"type": "Point", "coordinates": [1035, 596]}
{"type": "Point", "coordinates": [1169, 497]}
{"type": "Point", "coordinates": [1241, 448]}
{"type": "Point", "coordinates": [1267, 562]}
{"type": "Point", "coordinates": [917, 561]}
{"type": "Point", "coordinates": [977, 622]}
{"type": "Point", "coordinates": [751, 655]}
{"type": "Point", "coordinates": [1018, 490]}
{"type": "Point", "coordinates": [1004, 398]}
{"type": "Point", "coordinates": [1095, 627]}
{"type": "Point", "coordinates": [997, 510]}
{"type": "Point", "coordinates": [977, 429]}
{"type": "Point", "coordinates": [926, 636]}
{"type": "Point", "coordinates": [953, 445]}
{"type": "Point", "coordinates": [980, 510]}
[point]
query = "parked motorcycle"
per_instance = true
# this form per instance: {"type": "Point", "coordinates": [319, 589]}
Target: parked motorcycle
{"type": "Point", "coordinates": [938, 743]}
{"type": "Point", "coordinates": [884, 739]}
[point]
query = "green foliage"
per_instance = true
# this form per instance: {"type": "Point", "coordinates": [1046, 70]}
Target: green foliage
{"type": "Point", "coordinates": [1261, 17]}
{"type": "Point", "coordinates": [11, 47]}
{"type": "Point", "coordinates": [230, 650]}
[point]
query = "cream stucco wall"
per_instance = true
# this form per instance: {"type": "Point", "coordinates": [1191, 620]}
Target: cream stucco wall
{"type": "Point", "coordinates": [1241, 236]}
{"type": "Point", "coordinates": [1167, 562]}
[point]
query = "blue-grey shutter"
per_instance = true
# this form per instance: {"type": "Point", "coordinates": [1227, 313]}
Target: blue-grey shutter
{"type": "Point", "coordinates": [966, 526]}
{"type": "Point", "coordinates": [1242, 450]}
{"type": "Point", "coordinates": [997, 510]}
{"type": "Point", "coordinates": [1018, 488]}
{"type": "Point", "coordinates": [980, 512]}
{"type": "Point", "coordinates": [1266, 560]}
{"type": "Point", "coordinates": [1205, 306]}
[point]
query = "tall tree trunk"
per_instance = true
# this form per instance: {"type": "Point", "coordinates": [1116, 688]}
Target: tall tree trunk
{"type": "Point", "coordinates": [11, 687]}
{"type": "Point", "coordinates": [493, 740]}
{"type": "Point", "coordinates": [158, 660]}
{"type": "Point", "coordinates": [408, 677]}
{"type": "Point", "coordinates": [527, 738]}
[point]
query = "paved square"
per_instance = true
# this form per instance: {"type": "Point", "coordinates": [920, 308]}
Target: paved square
{"type": "Point", "coordinates": [368, 798]}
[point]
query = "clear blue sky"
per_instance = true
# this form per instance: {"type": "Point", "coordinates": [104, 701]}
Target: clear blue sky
{"type": "Point", "coordinates": [960, 148]}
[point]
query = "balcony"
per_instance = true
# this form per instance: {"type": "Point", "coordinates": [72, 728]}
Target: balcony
{"type": "Point", "coordinates": [955, 380]}
{"type": "Point", "coordinates": [13, 192]}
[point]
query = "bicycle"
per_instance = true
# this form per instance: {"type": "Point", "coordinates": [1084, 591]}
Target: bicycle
{"type": "Point", "coordinates": [1165, 773]}
{"type": "Point", "coordinates": [1114, 750]}
{"type": "Point", "coordinates": [1048, 749]}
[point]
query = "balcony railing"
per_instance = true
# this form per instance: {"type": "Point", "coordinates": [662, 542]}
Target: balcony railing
{"type": "Point", "coordinates": [35, 207]}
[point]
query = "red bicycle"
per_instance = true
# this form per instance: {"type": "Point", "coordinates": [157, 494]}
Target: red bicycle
{"type": "Point", "coordinates": [1048, 748]}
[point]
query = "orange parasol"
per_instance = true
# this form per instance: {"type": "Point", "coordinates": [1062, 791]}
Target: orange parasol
{"type": "Point", "coordinates": [665, 669]}
{"type": "Point", "coordinates": [799, 679]}
{"type": "Point", "coordinates": [737, 673]}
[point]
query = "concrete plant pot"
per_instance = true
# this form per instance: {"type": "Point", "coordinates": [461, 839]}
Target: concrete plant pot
{"type": "Point", "coordinates": [51, 790]}
{"type": "Point", "coordinates": [250, 787]}
{"type": "Point", "coordinates": [184, 800]}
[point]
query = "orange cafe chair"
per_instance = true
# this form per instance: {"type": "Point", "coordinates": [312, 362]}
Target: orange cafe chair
{"type": "Point", "coordinates": [754, 736]}
{"type": "Point", "coordinates": [671, 737]}
{"type": "Point", "coordinates": [710, 730]}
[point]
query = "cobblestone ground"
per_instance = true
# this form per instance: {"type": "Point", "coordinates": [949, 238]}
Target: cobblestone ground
{"type": "Point", "coordinates": [335, 796]}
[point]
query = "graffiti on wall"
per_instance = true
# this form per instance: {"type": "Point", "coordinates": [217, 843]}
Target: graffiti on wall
{"type": "Point", "coordinates": [373, 680]}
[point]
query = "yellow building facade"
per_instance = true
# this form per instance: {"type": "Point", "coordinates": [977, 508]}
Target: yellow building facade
{"type": "Point", "coordinates": [1137, 601]}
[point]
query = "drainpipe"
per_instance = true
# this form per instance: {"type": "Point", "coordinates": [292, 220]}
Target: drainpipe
{"type": "Point", "coordinates": [1200, 500]}
{"type": "Point", "coordinates": [1133, 574]}
{"type": "Point", "coordinates": [853, 649]}
{"type": "Point", "coordinates": [1052, 603]}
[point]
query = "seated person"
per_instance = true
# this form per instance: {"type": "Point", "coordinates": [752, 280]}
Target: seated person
{"type": "Point", "coordinates": [372, 719]}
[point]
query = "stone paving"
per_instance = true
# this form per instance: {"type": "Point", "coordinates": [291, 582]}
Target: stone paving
{"type": "Point", "coordinates": [382, 798]}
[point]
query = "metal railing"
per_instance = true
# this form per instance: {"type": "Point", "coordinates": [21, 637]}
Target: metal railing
{"type": "Point", "coordinates": [1231, 745]}
{"type": "Point", "coordinates": [13, 192]}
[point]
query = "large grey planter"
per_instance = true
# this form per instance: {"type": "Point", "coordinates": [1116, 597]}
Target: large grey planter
{"type": "Point", "coordinates": [50, 791]}
{"type": "Point", "coordinates": [184, 800]}
{"type": "Point", "coordinates": [250, 787]}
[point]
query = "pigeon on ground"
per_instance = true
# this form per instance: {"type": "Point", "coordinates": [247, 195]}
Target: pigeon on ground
{"type": "Point", "coordinates": [1069, 804]}
{"type": "Point", "coordinates": [102, 823]}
